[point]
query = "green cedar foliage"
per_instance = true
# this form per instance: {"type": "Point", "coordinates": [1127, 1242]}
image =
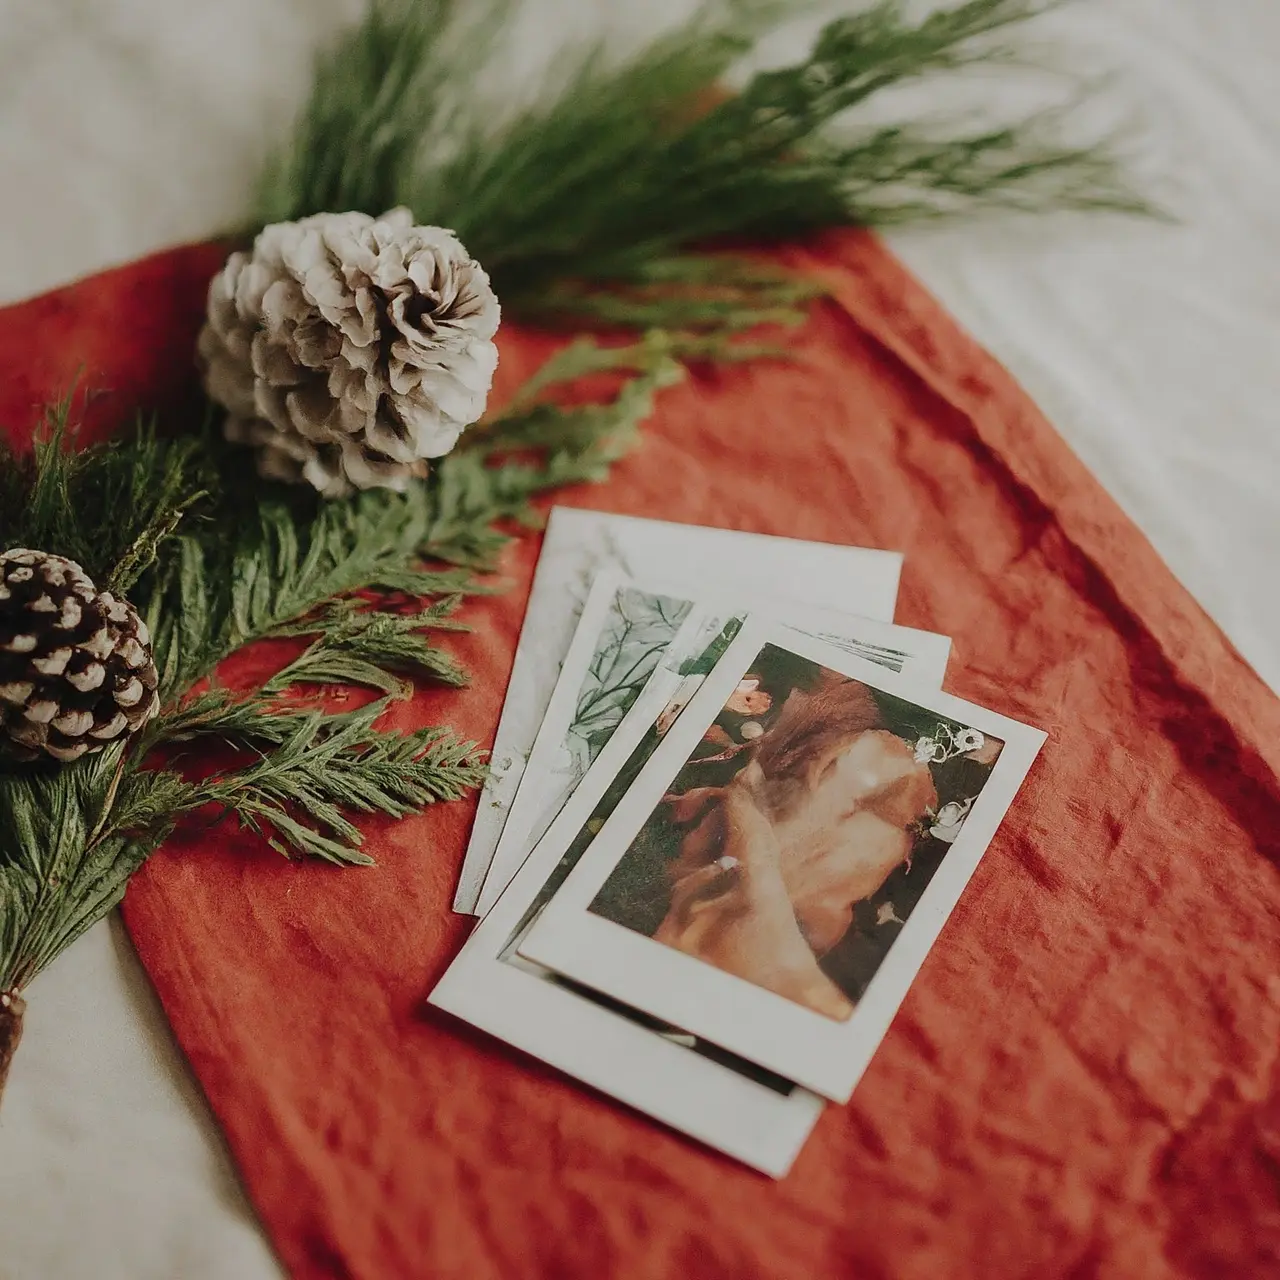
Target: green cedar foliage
{"type": "Point", "coordinates": [365, 586]}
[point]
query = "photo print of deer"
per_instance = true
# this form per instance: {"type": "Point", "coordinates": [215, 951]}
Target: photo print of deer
{"type": "Point", "coordinates": [796, 840]}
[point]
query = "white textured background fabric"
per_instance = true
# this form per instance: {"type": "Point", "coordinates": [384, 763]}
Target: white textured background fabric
{"type": "Point", "coordinates": [126, 125]}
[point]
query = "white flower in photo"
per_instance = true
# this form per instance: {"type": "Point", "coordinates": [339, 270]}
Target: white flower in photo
{"type": "Point", "coordinates": [670, 714]}
{"type": "Point", "coordinates": [949, 819]}
{"type": "Point", "coordinates": [749, 699]}
{"type": "Point", "coordinates": [927, 749]}
{"type": "Point", "coordinates": [969, 740]}
{"type": "Point", "coordinates": [885, 914]}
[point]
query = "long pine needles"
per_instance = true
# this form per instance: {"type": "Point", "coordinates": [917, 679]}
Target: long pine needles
{"type": "Point", "coordinates": [621, 171]}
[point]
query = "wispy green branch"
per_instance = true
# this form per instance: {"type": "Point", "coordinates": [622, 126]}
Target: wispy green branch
{"type": "Point", "coordinates": [622, 169]}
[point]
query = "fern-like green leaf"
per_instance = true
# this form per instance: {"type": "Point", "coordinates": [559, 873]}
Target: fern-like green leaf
{"type": "Point", "coordinates": [324, 767]}
{"type": "Point", "coordinates": [60, 870]}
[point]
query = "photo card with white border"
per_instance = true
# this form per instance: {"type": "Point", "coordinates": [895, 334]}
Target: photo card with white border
{"type": "Point", "coordinates": [632, 623]}
{"type": "Point", "coordinates": [725, 892]}
{"type": "Point", "coordinates": [703, 639]}
{"type": "Point", "coordinates": [727, 1103]}
{"type": "Point", "coordinates": [622, 634]}
{"type": "Point", "coordinates": [576, 545]}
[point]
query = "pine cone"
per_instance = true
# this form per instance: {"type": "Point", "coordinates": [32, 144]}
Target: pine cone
{"type": "Point", "coordinates": [75, 663]}
{"type": "Point", "coordinates": [348, 349]}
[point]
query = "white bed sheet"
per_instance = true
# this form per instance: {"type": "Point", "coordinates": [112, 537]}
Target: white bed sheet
{"type": "Point", "coordinates": [126, 125]}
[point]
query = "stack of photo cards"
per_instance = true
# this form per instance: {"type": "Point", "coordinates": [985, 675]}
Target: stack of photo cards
{"type": "Point", "coordinates": [579, 545]}
{"type": "Point", "coordinates": [730, 813]}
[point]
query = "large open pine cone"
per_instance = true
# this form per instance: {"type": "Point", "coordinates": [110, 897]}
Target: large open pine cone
{"type": "Point", "coordinates": [347, 349]}
{"type": "Point", "coordinates": [75, 663]}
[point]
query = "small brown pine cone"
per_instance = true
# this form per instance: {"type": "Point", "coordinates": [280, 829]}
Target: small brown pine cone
{"type": "Point", "coordinates": [75, 663]}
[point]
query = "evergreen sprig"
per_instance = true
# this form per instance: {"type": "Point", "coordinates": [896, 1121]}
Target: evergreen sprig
{"type": "Point", "coordinates": [625, 168]}
{"type": "Point", "coordinates": [63, 863]}
{"type": "Point", "coordinates": [216, 561]}
{"type": "Point", "coordinates": [107, 508]}
{"type": "Point", "coordinates": [322, 767]}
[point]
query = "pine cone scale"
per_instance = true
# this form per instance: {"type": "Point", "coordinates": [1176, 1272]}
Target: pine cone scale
{"type": "Point", "coordinates": [17, 693]}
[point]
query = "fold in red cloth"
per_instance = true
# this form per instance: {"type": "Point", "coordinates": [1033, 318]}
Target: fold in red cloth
{"type": "Point", "coordinates": [1082, 1081]}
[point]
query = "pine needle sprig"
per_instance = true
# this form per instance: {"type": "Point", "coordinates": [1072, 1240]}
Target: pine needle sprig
{"type": "Point", "coordinates": [626, 166]}
{"type": "Point", "coordinates": [110, 509]}
{"type": "Point", "coordinates": [353, 648]}
{"type": "Point", "coordinates": [361, 646]}
{"type": "Point", "coordinates": [204, 602]}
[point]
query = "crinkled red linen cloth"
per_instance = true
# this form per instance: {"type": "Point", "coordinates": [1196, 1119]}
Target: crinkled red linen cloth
{"type": "Point", "coordinates": [1082, 1081]}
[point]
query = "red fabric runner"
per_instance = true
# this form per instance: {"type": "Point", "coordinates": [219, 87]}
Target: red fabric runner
{"type": "Point", "coordinates": [1082, 1082]}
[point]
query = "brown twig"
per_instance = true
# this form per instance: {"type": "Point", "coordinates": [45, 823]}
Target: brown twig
{"type": "Point", "coordinates": [12, 1009]}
